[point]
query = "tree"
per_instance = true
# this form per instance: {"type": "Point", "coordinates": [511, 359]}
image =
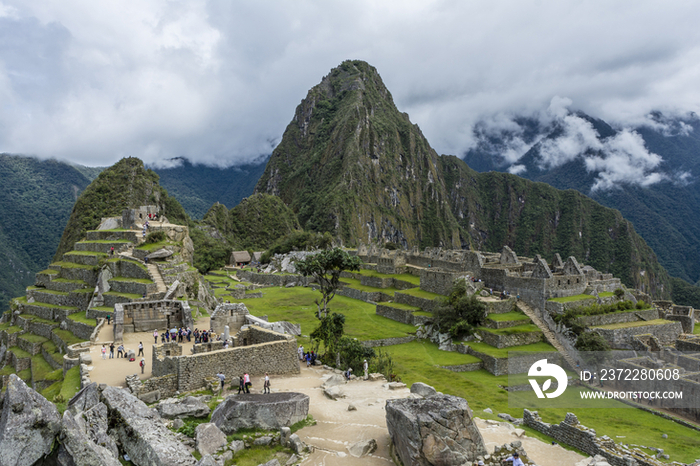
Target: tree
{"type": "Point", "coordinates": [330, 331]}
{"type": "Point", "coordinates": [459, 313]}
{"type": "Point", "coordinates": [326, 267]}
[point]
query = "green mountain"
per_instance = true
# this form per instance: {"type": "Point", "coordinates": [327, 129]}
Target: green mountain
{"type": "Point", "coordinates": [351, 163]}
{"type": "Point", "coordinates": [35, 201]}
{"type": "Point", "coordinates": [197, 187]}
{"type": "Point", "coordinates": [126, 184]}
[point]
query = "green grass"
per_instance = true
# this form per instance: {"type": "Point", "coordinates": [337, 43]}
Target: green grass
{"type": "Point", "coordinates": [606, 294]}
{"type": "Point", "coordinates": [123, 295]}
{"type": "Point", "coordinates": [47, 291]}
{"type": "Point", "coordinates": [429, 352]}
{"type": "Point", "coordinates": [152, 246]}
{"type": "Point", "coordinates": [38, 319]}
{"type": "Point", "coordinates": [131, 280]}
{"type": "Point", "coordinates": [529, 328]}
{"type": "Point", "coordinates": [484, 390]}
{"type": "Point", "coordinates": [105, 241]}
{"type": "Point", "coordinates": [72, 265]}
{"type": "Point", "coordinates": [51, 348]}
{"type": "Point", "coordinates": [68, 280]}
{"type": "Point", "coordinates": [43, 371]}
{"type": "Point", "coordinates": [112, 230]}
{"type": "Point", "coordinates": [30, 337]}
{"type": "Point", "coordinates": [696, 329]}
{"type": "Point", "coordinates": [297, 305]}
{"type": "Point", "coordinates": [87, 253]}
{"type": "Point", "coordinates": [7, 370]}
{"type": "Point", "coordinates": [23, 300]}
{"type": "Point", "coordinates": [49, 272]}
{"type": "Point", "coordinates": [9, 328]}
{"type": "Point", "coordinates": [503, 353]}
{"type": "Point", "coordinates": [406, 277]}
{"type": "Point", "coordinates": [69, 387]}
{"type": "Point", "coordinates": [402, 306]}
{"type": "Point", "coordinates": [257, 454]}
{"type": "Point", "coordinates": [67, 336]}
{"type": "Point", "coordinates": [19, 352]}
{"type": "Point", "coordinates": [103, 308]}
{"type": "Point", "coordinates": [508, 317]}
{"type": "Point", "coordinates": [25, 375]}
{"type": "Point", "coordinates": [80, 317]}
{"type": "Point", "coordinates": [355, 284]}
{"type": "Point", "coordinates": [570, 299]}
{"type": "Point", "coordinates": [417, 292]}
{"type": "Point", "coordinates": [634, 324]}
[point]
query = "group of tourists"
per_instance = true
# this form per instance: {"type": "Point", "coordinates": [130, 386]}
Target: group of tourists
{"type": "Point", "coordinates": [309, 357]}
{"type": "Point", "coordinates": [121, 352]}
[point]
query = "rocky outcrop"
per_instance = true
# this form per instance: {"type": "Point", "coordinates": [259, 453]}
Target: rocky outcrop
{"type": "Point", "coordinates": [141, 431]}
{"type": "Point", "coordinates": [188, 406]}
{"type": "Point", "coordinates": [28, 425]}
{"type": "Point", "coordinates": [437, 430]}
{"type": "Point", "coordinates": [209, 438]}
{"type": "Point", "coordinates": [91, 417]}
{"type": "Point", "coordinates": [363, 448]}
{"type": "Point", "coordinates": [78, 449]}
{"type": "Point", "coordinates": [268, 412]}
{"type": "Point", "coordinates": [424, 390]}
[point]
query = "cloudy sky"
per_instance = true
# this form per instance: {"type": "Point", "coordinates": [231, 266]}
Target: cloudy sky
{"type": "Point", "coordinates": [218, 81]}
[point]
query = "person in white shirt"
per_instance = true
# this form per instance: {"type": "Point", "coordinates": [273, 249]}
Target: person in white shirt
{"type": "Point", "coordinates": [515, 458]}
{"type": "Point", "coordinates": [365, 365]}
{"type": "Point", "coordinates": [266, 385]}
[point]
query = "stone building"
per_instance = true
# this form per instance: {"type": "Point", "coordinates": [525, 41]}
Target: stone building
{"type": "Point", "coordinates": [239, 258]}
{"type": "Point", "coordinates": [144, 316]}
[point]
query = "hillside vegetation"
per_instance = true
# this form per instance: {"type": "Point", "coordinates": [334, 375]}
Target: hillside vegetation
{"type": "Point", "coordinates": [352, 164]}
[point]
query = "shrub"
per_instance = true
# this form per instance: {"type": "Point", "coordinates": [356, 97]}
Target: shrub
{"type": "Point", "coordinates": [459, 313]}
{"type": "Point", "coordinates": [591, 341]}
{"type": "Point", "coordinates": [619, 293]}
{"type": "Point", "coordinates": [155, 237]}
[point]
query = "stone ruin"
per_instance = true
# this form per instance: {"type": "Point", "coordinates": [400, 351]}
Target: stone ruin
{"type": "Point", "coordinates": [236, 316]}
{"type": "Point", "coordinates": [145, 316]}
{"type": "Point", "coordinates": [267, 412]}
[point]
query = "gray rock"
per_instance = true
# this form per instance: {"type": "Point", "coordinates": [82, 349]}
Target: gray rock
{"type": "Point", "coordinates": [274, 462]}
{"type": "Point", "coordinates": [376, 376]}
{"type": "Point", "coordinates": [141, 431]}
{"type": "Point", "coordinates": [363, 448]}
{"type": "Point", "coordinates": [352, 407]}
{"type": "Point", "coordinates": [296, 444]}
{"type": "Point", "coordinates": [419, 388]}
{"type": "Point", "coordinates": [94, 422]}
{"type": "Point", "coordinates": [268, 412]}
{"type": "Point", "coordinates": [435, 430]}
{"type": "Point", "coordinates": [86, 398]}
{"type": "Point", "coordinates": [333, 380]}
{"type": "Point", "coordinates": [85, 358]}
{"type": "Point", "coordinates": [150, 397]}
{"type": "Point", "coordinates": [265, 440]}
{"type": "Point", "coordinates": [225, 456]}
{"type": "Point", "coordinates": [207, 460]}
{"type": "Point", "coordinates": [159, 254]}
{"type": "Point", "coordinates": [395, 385]}
{"type": "Point", "coordinates": [79, 448]}
{"type": "Point", "coordinates": [334, 392]}
{"type": "Point", "coordinates": [506, 417]}
{"type": "Point", "coordinates": [488, 410]}
{"type": "Point", "coordinates": [178, 424]}
{"type": "Point", "coordinates": [292, 459]}
{"type": "Point", "coordinates": [285, 433]}
{"type": "Point", "coordinates": [188, 406]}
{"type": "Point", "coordinates": [28, 425]}
{"type": "Point", "coordinates": [209, 439]}
{"type": "Point", "coordinates": [664, 435]}
{"type": "Point", "coordinates": [237, 445]}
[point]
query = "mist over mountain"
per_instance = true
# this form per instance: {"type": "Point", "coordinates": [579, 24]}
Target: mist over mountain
{"type": "Point", "coordinates": [649, 172]}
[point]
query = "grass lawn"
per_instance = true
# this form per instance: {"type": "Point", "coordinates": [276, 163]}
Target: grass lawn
{"type": "Point", "coordinates": [72, 265]}
{"type": "Point", "coordinates": [417, 292]}
{"type": "Point", "coordinates": [406, 277]}
{"type": "Point", "coordinates": [528, 328]}
{"type": "Point", "coordinates": [23, 300]}
{"type": "Point", "coordinates": [87, 253]}
{"type": "Point", "coordinates": [122, 295]}
{"type": "Point", "coordinates": [39, 320]}
{"type": "Point", "coordinates": [43, 371]}
{"type": "Point", "coordinates": [570, 299]}
{"type": "Point", "coordinates": [9, 328]}
{"type": "Point", "coordinates": [483, 390]}
{"type": "Point", "coordinates": [49, 272]}
{"type": "Point", "coordinates": [634, 324]}
{"type": "Point", "coordinates": [19, 352]}
{"type": "Point", "coordinates": [67, 336]}
{"type": "Point", "coordinates": [151, 246]}
{"type": "Point", "coordinates": [355, 284]}
{"type": "Point", "coordinates": [51, 348]}
{"type": "Point", "coordinates": [606, 294]}
{"type": "Point", "coordinates": [133, 280]}
{"type": "Point", "coordinates": [105, 241]}
{"type": "Point", "coordinates": [80, 317]}
{"type": "Point", "coordinates": [30, 337]}
{"type": "Point", "coordinates": [401, 306]}
{"type": "Point", "coordinates": [297, 305]}
{"type": "Point", "coordinates": [503, 353]}
{"type": "Point", "coordinates": [508, 317]}
{"type": "Point", "coordinates": [45, 290]}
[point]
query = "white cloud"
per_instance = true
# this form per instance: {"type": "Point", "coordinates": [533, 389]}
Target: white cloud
{"type": "Point", "coordinates": [216, 81]}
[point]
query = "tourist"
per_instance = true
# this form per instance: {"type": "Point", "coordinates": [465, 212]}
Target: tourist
{"type": "Point", "coordinates": [142, 364]}
{"type": "Point", "coordinates": [348, 373]}
{"type": "Point", "coordinates": [140, 349]}
{"type": "Point", "coordinates": [109, 317]}
{"type": "Point", "coordinates": [515, 458]}
{"type": "Point", "coordinates": [120, 352]}
{"type": "Point", "coordinates": [104, 352]}
{"type": "Point", "coordinates": [308, 359]}
{"type": "Point", "coordinates": [111, 251]}
{"type": "Point", "coordinates": [300, 352]}
{"type": "Point", "coordinates": [247, 382]}
{"type": "Point", "coordinates": [111, 350]}
{"type": "Point", "coordinates": [221, 377]}
{"type": "Point", "coordinates": [162, 337]}
{"type": "Point", "coordinates": [241, 385]}
{"type": "Point", "coordinates": [189, 335]}
{"type": "Point", "coordinates": [266, 385]}
{"type": "Point", "coordinates": [226, 344]}
{"type": "Point", "coordinates": [365, 366]}
{"type": "Point", "coordinates": [155, 337]}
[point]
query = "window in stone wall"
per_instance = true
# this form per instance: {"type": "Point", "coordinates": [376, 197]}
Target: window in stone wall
{"type": "Point", "coordinates": [568, 282]}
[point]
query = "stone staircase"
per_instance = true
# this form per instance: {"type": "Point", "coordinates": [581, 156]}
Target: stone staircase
{"type": "Point", "coordinates": [552, 337]}
{"type": "Point", "coordinates": [157, 278]}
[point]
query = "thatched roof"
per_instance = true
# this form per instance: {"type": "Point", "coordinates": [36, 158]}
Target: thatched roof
{"type": "Point", "coordinates": [257, 255]}
{"type": "Point", "coordinates": [240, 256]}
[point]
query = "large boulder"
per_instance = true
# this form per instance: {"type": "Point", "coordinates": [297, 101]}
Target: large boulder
{"type": "Point", "coordinates": [437, 430]}
{"type": "Point", "coordinates": [28, 425]}
{"type": "Point", "coordinates": [333, 380]}
{"type": "Point", "coordinates": [209, 439]}
{"type": "Point", "coordinates": [363, 448]}
{"type": "Point", "coordinates": [92, 417]}
{"type": "Point", "coordinates": [77, 449]}
{"type": "Point", "coordinates": [424, 390]}
{"type": "Point", "coordinates": [263, 411]}
{"type": "Point", "coordinates": [141, 431]}
{"type": "Point", "coordinates": [188, 406]}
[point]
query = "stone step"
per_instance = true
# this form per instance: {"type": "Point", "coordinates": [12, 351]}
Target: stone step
{"type": "Point", "coordinates": [157, 278]}
{"type": "Point", "coordinates": [63, 284]}
{"type": "Point", "coordinates": [548, 333]}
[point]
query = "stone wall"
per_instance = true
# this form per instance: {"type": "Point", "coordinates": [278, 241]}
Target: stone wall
{"type": "Point", "coordinates": [619, 317]}
{"type": "Point", "coordinates": [688, 343]}
{"type": "Point", "coordinates": [504, 366]}
{"type": "Point", "coordinates": [388, 341]}
{"type": "Point", "coordinates": [405, 316]}
{"type": "Point", "coordinates": [506, 341]}
{"type": "Point", "coordinates": [144, 316]}
{"type": "Point", "coordinates": [621, 338]}
{"type": "Point", "coordinates": [275, 354]}
{"type": "Point", "coordinates": [79, 329]}
{"type": "Point", "coordinates": [498, 306]}
{"type": "Point", "coordinates": [266, 279]}
{"type": "Point", "coordinates": [231, 314]}
{"type": "Point", "coordinates": [439, 281]}
{"type": "Point", "coordinates": [571, 433]}
{"type": "Point", "coordinates": [425, 304]}
{"type": "Point", "coordinates": [687, 321]}
{"type": "Point", "coordinates": [366, 296]}
{"type": "Point", "coordinates": [560, 286]}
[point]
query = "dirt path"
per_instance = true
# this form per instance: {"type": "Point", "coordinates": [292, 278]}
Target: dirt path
{"type": "Point", "coordinates": [336, 428]}
{"type": "Point", "coordinates": [113, 371]}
